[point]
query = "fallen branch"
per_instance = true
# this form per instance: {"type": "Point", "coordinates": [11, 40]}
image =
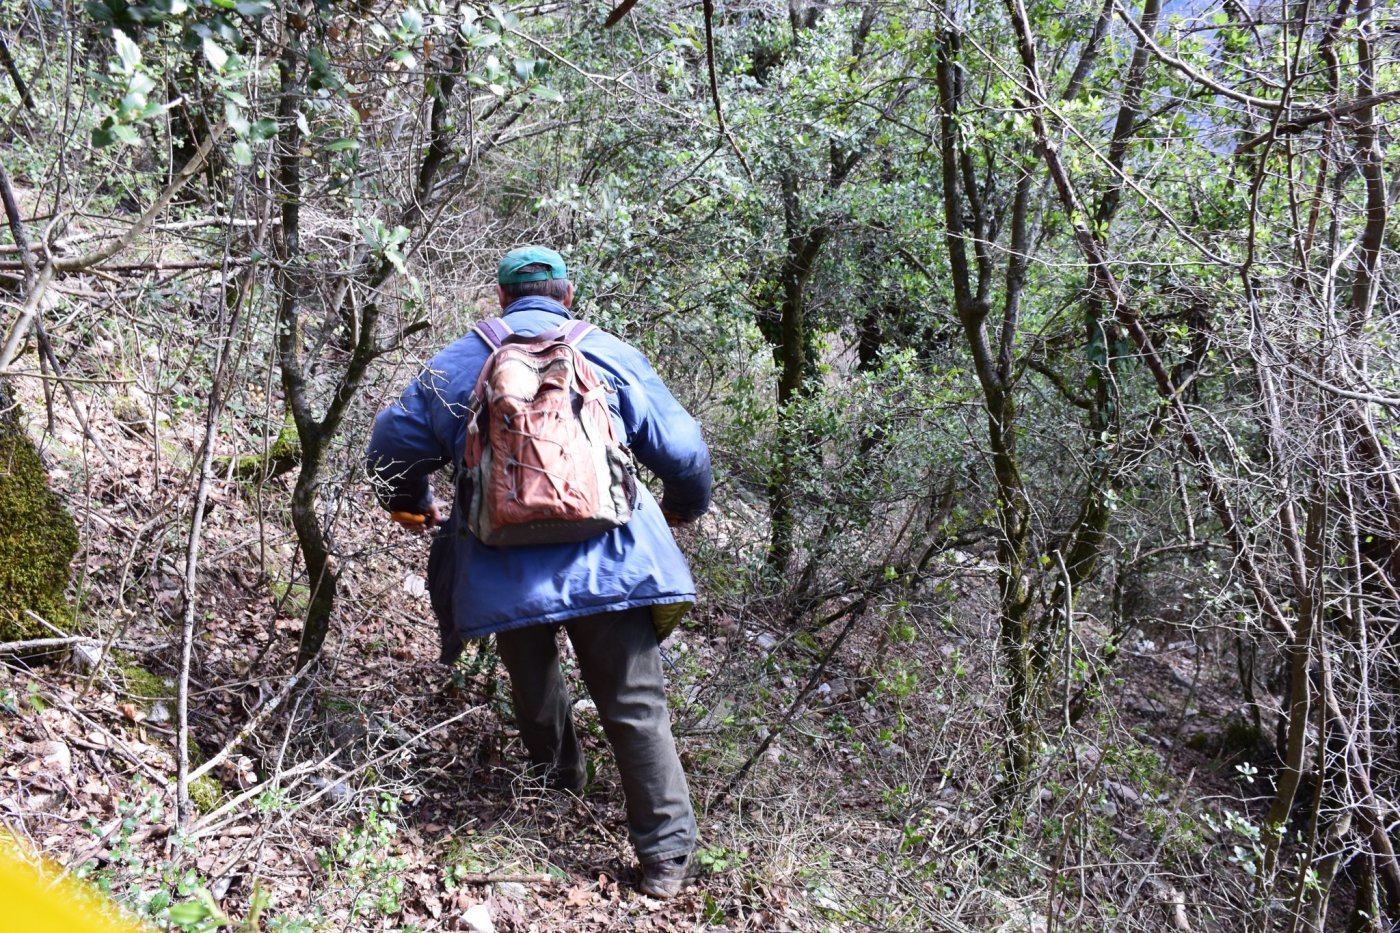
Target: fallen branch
{"type": "Point", "coordinates": [489, 878]}
{"type": "Point", "coordinates": [34, 644]}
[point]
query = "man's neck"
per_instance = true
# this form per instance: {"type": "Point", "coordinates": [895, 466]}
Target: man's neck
{"type": "Point", "coordinates": [536, 303]}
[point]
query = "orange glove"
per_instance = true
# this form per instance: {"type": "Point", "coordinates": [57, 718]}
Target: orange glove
{"type": "Point", "coordinates": [418, 522]}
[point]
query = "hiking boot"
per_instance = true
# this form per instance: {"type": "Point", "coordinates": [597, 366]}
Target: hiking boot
{"type": "Point", "coordinates": [569, 783]}
{"type": "Point", "coordinates": [665, 879]}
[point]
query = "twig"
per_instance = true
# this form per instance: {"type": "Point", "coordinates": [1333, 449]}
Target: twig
{"type": "Point", "coordinates": [184, 807]}
{"type": "Point", "coordinates": [714, 86]}
{"type": "Point", "coordinates": [260, 714]}
{"type": "Point", "coordinates": [1320, 116]}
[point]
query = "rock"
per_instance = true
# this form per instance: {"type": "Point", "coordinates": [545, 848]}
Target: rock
{"type": "Point", "coordinates": [1122, 792]}
{"type": "Point", "coordinates": [53, 755]}
{"type": "Point", "coordinates": [511, 889]}
{"type": "Point", "coordinates": [477, 919]}
{"type": "Point", "coordinates": [415, 586]}
{"type": "Point", "coordinates": [773, 754]}
{"type": "Point", "coordinates": [1186, 647]}
{"type": "Point", "coordinates": [86, 656]}
{"type": "Point", "coordinates": [765, 641]}
{"type": "Point", "coordinates": [839, 688]}
{"type": "Point", "coordinates": [1145, 706]}
{"type": "Point", "coordinates": [159, 713]}
{"type": "Point", "coordinates": [338, 792]}
{"type": "Point", "coordinates": [1106, 807]}
{"type": "Point", "coordinates": [1182, 680]}
{"type": "Point", "coordinates": [585, 706]}
{"type": "Point", "coordinates": [891, 751]}
{"type": "Point", "coordinates": [824, 690]}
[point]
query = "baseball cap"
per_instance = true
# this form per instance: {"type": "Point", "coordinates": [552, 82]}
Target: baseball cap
{"type": "Point", "coordinates": [508, 272]}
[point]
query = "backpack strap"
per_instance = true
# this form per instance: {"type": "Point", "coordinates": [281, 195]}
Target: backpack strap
{"type": "Point", "coordinates": [494, 331]}
{"type": "Point", "coordinates": [574, 331]}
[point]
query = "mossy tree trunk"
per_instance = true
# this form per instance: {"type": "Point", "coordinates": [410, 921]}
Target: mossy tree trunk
{"type": "Point", "coordinates": [38, 537]}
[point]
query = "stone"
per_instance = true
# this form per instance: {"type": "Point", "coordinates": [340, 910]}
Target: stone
{"type": "Point", "coordinates": [477, 919]}
{"type": "Point", "coordinates": [86, 655]}
{"type": "Point", "coordinates": [337, 791]}
{"type": "Point", "coordinates": [1122, 792]}
{"type": "Point", "coordinates": [159, 714]}
{"type": "Point", "coordinates": [511, 889]}
{"type": "Point", "coordinates": [53, 755]}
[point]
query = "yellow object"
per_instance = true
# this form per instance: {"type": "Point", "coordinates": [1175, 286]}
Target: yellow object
{"type": "Point", "coordinates": [666, 616]}
{"type": "Point", "coordinates": [38, 899]}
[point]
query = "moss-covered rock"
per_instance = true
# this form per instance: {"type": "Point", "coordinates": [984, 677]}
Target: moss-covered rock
{"type": "Point", "coordinates": [37, 536]}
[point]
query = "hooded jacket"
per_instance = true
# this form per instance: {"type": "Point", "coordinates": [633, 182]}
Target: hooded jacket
{"type": "Point", "coordinates": [476, 589]}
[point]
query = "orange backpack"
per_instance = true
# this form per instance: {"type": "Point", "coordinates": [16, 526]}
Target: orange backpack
{"type": "Point", "coordinates": [543, 459]}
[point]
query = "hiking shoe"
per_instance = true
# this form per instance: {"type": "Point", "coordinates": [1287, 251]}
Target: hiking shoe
{"type": "Point", "coordinates": [665, 879]}
{"type": "Point", "coordinates": [567, 783]}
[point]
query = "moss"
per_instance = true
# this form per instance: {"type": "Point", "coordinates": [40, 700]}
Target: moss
{"type": "Point", "coordinates": [283, 456]}
{"type": "Point", "coordinates": [142, 685]}
{"type": "Point", "coordinates": [205, 793]}
{"type": "Point", "coordinates": [37, 537]}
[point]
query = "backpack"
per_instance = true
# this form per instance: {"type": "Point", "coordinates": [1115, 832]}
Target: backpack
{"type": "Point", "coordinates": [543, 460]}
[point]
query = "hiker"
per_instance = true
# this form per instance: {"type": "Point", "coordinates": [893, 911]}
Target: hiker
{"type": "Point", "coordinates": [616, 592]}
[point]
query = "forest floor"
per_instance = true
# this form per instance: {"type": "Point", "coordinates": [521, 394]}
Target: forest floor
{"type": "Point", "coordinates": [387, 796]}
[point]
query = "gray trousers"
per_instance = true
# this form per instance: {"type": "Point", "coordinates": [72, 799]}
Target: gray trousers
{"type": "Point", "coordinates": [620, 662]}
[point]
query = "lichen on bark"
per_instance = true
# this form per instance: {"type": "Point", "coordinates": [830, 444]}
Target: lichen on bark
{"type": "Point", "coordinates": [37, 536]}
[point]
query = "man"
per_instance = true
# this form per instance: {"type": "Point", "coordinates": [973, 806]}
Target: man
{"type": "Point", "coordinates": [604, 591]}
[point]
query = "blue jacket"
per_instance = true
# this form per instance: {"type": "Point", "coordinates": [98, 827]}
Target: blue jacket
{"type": "Point", "coordinates": [479, 589]}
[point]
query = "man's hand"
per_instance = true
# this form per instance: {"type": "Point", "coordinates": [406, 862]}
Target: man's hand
{"type": "Point", "coordinates": [418, 522]}
{"type": "Point", "coordinates": [674, 520]}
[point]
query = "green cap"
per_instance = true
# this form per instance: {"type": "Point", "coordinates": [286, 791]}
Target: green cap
{"type": "Point", "coordinates": [508, 272]}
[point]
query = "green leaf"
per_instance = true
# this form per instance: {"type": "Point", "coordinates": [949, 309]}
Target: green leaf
{"type": "Point", "coordinates": [253, 8]}
{"type": "Point", "coordinates": [217, 57]}
{"type": "Point", "coordinates": [127, 52]}
{"type": "Point", "coordinates": [412, 21]}
{"type": "Point", "coordinates": [188, 913]}
{"type": "Point", "coordinates": [237, 122]}
{"type": "Point", "coordinates": [126, 134]}
{"type": "Point", "coordinates": [396, 258]}
{"type": "Point", "coordinates": [543, 92]}
{"type": "Point", "coordinates": [342, 144]}
{"type": "Point", "coordinates": [266, 128]}
{"type": "Point", "coordinates": [242, 153]}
